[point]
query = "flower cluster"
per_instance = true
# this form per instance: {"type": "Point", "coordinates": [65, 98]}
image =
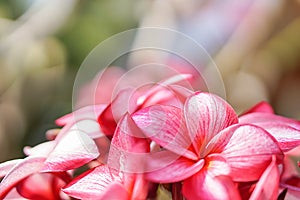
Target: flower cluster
{"type": "Point", "coordinates": [163, 138]}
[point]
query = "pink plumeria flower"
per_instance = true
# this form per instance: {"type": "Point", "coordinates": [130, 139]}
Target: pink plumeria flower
{"type": "Point", "coordinates": [45, 171]}
{"type": "Point", "coordinates": [130, 100]}
{"type": "Point", "coordinates": [208, 146]}
{"type": "Point", "coordinates": [100, 121]}
{"type": "Point", "coordinates": [114, 181]}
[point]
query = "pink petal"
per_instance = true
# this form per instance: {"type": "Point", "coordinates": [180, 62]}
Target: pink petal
{"type": "Point", "coordinates": [287, 136]}
{"type": "Point", "coordinates": [262, 107]}
{"type": "Point", "coordinates": [84, 119]}
{"type": "Point", "coordinates": [247, 149]}
{"type": "Point", "coordinates": [217, 165]}
{"type": "Point", "coordinates": [41, 150]}
{"type": "Point", "coordinates": [140, 188]}
{"type": "Point", "coordinates": [41, 186]}
{"type": "Point", "coordinates": [88, 112]}
{"type": "Point", "coordinates": [290, 166]}
{"type": "Point", "coordinates": [290, 176]}
{"type": "Point", "coordinates": [14, 195]}
{"type": "Point", "coordinates": [259, 118]}
{"type": "Point", "coordinates": [178, 170]}
{"type": "Point", "coordinates": [97, 183]}
{"type": "Point", "coordinates": [268, 184]}
{"type": "Point", "coordinates": [163, 96]}
{"type": "Point", "coordinates": [161, 86]}
{"type": "Point", "coordinates": [5, 167]}
{"type": "Point", "coordinates": [206, 115]}
{"type": "Point", "coordinates": [109, 118]}
{"type": "Point", "coordinates": [114, 191]}
{"type": "Point", "coordinates": [103, 144]}
{"type": "Point", "coordinates": [159, 93]}
{"type": "Point", "coordinates": [20, 171]}
{"type": "Point", "coordinates": [205, 186]}
{"type": "Point", "coordinates": [126, 150]}
{"type": "Point", "coordinates": [89, 126]}
{"type": "Point", "coordinates": [165, 126]}
{"type": "Point", "coordinates": [73, 150]}
{"type": "Point", "coordinates": [51, 134]}
{"type": "Point", "coordinates": [182, 93]}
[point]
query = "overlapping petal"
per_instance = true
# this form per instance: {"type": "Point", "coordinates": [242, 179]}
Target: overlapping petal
{"type": "Point", "coordinates": [41, 150]}
{"type": "Point", "coordinates": [248, 150]}
{"type": "Point", "coordinates": [163, 93]}
{"type": "Point", "coordinates": [268, 185]}
{"type": "Point", "coordinates": [97, 183]}
{"type": "Point", "coordinates": [287, 136]}
{"type": "Point", "coordinates": [206, 115]}
{"type": "Point", "coordinates": [165, 125]}
{"type": "Point", "coordinates": [128, 147]}
{"type": "Point", "coordinates": [263, 118]}
{"type": "Point", "coordinates": [205, 186]}
{"type": "Point", "coordinates": [43, 185]}
{"type": "Point", "coordinates": [178, 170]}
{"type": "Point", "coordinates": [73, 150]}
{"type": "Point", "coordinates": [5, 167]}
{"type": "Point", "coordinates": [109, 118]}
{"type": "Point", "coordinates": [20, 171]}
{"type": "Point", "coordinates": [262, 107]}
{"type": "Point", "coordinates": [88, 112]}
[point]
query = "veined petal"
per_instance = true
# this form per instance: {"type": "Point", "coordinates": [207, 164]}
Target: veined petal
{"type": "Point", "coordinates": [217, 165]}
{"type": "Point", "coordinates": [205, 186]}
{"type": "Point", "coordinates": [268, 184]}
{"type": "Point", "coordinates": [28, 166]}
{"type": "Point", "coordinates": [182, 93]}
{"type": "Point", "coordinates": [96, 184]}
{"type": "Point", "coordinates": [141, 186]}
{"type": "Point", "coordinates": [41, 150]}
{"type": "Point", "coordinates": [88, 112]}
{"type": "Point", "coordinates": [248, 150]}
{"type": "Point", "coordinates": [128, 147]}
{"type": "Point", "coordinates": [161, 86]}
{"type": "Point", "coordinates": [287, 136]}
{"type": "Point", "coordinates": [14, 195]}
{"type": "Point", "coordinates": [262, 107]}
{"type": "Point", "coordinates": [42, 186]}
{"type": "Point", "coordinates": [162, 93]}
{"type": "Point", "coordinates": [89, 126]}
{"type": "Point", "coordinates": [73, 150]}
{"type": "Point", "coordinates": [165, 126]}
{"type": "Point", "coordinates": [259, 118]}
{"type": "Point", "coordinates": [109, 118]}
{"type": "Point", "coordinates": [5, 167]}
{"type": "Point", "coordinates": [178, 170]}
{"type": "Point", "coordinates": [206, 115]}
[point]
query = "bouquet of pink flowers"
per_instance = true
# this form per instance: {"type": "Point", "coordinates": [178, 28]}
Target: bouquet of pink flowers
{"type": "Point", "coordinates": [161, 140]}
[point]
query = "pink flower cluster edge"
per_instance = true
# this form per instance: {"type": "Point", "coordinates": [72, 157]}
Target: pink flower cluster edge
{"type": "Point", "coordinates": [165, 137]}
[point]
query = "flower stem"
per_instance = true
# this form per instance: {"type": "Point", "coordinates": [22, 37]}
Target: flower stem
{"type": "Point", "coordinates": [176, 191]}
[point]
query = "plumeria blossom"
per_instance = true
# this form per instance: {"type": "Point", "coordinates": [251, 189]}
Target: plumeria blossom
{"type": "Point", "coordinates": [210, 144]}
{"type": "Point", "coordinates": [113, 181]}
{"type": "Point", "coordinates": [46, 169]}
{"type": "Point", "coordinates": [100, 121]}
{"type": "Point", "coordinates": [161, 133]}
{"type": "Point", "coordinates": [130, 100]}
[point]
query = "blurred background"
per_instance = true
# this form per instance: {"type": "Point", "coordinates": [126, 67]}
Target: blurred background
{"type": "Point", "coordinates": [255, 44]}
